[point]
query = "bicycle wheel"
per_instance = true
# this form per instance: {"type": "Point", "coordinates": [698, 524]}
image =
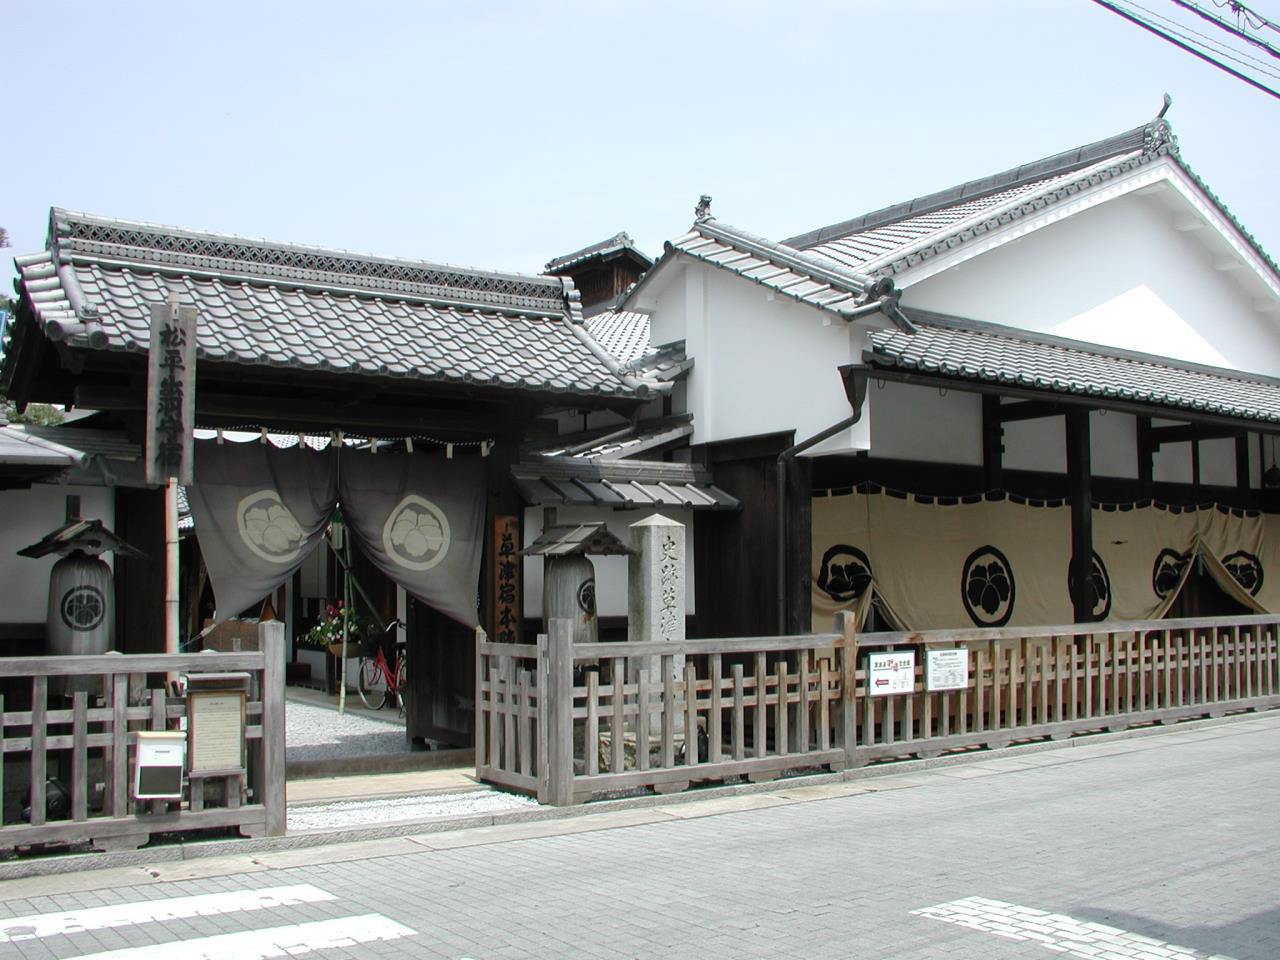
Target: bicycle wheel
{"type": "Point", "coordinates": [402, 677]}
{"type": "Point", "coordinates": [369, 681]}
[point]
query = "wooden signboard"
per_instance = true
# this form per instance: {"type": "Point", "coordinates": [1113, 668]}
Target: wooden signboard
{"type": "Point", "coordinates": [215, 722]}
{"type": "Point", "coordinates": [506, 580]}
{"type": "Point", "coordinates": [171, 392]}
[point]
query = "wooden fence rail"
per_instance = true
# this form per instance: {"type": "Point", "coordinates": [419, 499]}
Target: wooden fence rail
{"type": "Point", "coordinates": [568, 721]}
{"type": "Point", "coordinates": [81, 740]}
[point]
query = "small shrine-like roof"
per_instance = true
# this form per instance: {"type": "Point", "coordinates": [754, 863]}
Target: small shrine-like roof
{"type": "Point", "coordinates": [577, 540]}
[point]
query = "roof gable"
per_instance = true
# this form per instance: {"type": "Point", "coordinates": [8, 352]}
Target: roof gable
{"type": "Point", "coordinates": [898, 241]}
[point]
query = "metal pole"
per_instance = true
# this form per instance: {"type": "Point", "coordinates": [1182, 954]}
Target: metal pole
{"type": "Point", "coordinates": [171, 611]}
{"type": "Point", "coordinates": [346, 618]}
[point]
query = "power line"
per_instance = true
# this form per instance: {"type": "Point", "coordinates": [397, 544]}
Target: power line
{"type": "Point", "coordinates": [1246, 15]}
{"type": "Point", "coordinates": [1127, 15]}
{"type": "Point", "coordinates": [1226, 25]}
{"type": "Point", "coordinates": [1241, 57]}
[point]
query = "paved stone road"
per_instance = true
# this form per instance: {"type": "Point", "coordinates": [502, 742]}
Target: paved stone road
{"type": "Point", "coordinates": [1152, 848]}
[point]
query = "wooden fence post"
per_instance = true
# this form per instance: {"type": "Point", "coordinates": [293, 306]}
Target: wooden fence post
{"type": "Point", "coordinates": [847, 627]}
{"type": "Point", "coordinates": [274, 801]}
{"type": "Point", "coordinates": [482, 717]}
{"type": "Point", "coordinates": [560, 712]}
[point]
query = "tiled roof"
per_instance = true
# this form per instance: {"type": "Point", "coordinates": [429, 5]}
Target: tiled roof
{"type": "Point", "coordinates": [21, 448]}
{"type": "Point", "coordinates": [616, 444]}
{"type": "Point", "coordinates": [889, 241]}
{"type": "Point", "coordinates": [617, 244]}
{"type": "Point", "coordinates": [624, 333]}
{"type": "Point", "coordinates": [798, 275]}
{"type": "Point", "coordinates": [987, 354]}
{"type": "Point", "coordinates": [312, 309]}
{"type": "Point", "coordinates": [564, 481]}
{"type": "Point", "coordinates": [579, 540]}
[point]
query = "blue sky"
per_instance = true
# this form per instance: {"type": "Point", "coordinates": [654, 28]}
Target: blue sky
{"type": "Point", "coordinates": [501, 134]}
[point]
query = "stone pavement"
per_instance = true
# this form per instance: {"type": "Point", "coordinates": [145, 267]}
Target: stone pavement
{"type": "Point", "coordinates": [1147, 848]}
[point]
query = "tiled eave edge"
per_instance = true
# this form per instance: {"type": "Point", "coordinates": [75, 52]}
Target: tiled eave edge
{"type": "Point", "coordinates": [880, 361]}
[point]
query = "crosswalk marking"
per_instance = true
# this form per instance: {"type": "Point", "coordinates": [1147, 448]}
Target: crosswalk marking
{"type": "Point", "coordinates": [288, 941]}
{"type": "Point", "coordinates": [150, 911]}
{"type": "Point", "coordinates": [1064, 935]}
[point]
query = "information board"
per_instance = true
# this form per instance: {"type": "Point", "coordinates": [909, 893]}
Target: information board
{"type": "Point", "coordinates": [216, 727]}
{"type": "Point", "coordinates": [946, 669]}
{"type": "Point", "coordinates": [889, 673]}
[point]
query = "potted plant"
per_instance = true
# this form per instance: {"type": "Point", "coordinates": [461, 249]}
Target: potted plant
{"type": "Point", "coordinates": [327, 634]}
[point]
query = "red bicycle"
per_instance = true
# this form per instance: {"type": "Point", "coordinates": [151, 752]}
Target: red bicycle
{"type": "Point", "coordinates": [378, 680]}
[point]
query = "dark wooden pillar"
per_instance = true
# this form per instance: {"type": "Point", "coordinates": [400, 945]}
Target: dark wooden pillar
{"type": "Point", "coordinates": [992, 442]}
{"type": "Point", "coordinates": [1146, 453]}
{"type": "Point", "coordinates": [1242, 463]}
{"type": "Point", "coordinates": [1079, 482]}
{"type": "Point", "coordinates": [798, 577]}
{"type": "Point", "coordinates": [139, 584]}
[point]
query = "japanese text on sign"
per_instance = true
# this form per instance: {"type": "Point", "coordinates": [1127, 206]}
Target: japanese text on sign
{"type": "Point", "coordinates": [506, 580]}
{"type": "Point", "coordinates": [170, 392]}
{"type": "Point", "coordinates": [946, 669]}
{"type": "Point", "coordinates": [889, 673]}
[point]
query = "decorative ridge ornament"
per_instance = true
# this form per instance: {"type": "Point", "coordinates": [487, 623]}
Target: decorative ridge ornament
{"type": "Point", "coordinates": [703, 210]}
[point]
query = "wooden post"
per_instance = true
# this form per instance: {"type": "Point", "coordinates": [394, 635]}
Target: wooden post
{"type": "Point", "coordinates": [847, 626]}
{"type": "Point", "coordinates": [272, 788]}
{"type": "Point", "coordinates": [560, 712]}
{"type": "Point", "coordinates": [1079, 482]}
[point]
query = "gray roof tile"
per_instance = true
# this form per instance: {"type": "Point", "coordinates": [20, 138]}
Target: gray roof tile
{"type": "Point", "coordinates": [284, 305]}
{"type": "Point", "coordinates": [988, 354]}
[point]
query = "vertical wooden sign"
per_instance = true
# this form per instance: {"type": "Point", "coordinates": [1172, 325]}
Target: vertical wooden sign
{"type": "Point", "coordinates": [506, 579]}
{"type": "Point", "coordinates": [171, 392]}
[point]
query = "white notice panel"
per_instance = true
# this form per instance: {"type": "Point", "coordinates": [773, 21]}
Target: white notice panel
{"type": "Point", "coordinates": [946, 669]}
{"type": "Point", "coordinates": [891, 672]}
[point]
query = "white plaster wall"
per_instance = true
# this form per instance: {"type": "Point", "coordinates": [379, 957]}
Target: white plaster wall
{"type": "Point", "coordinates": [1218, 462]}
{"type": "Point", "coordinates": [611, 572]}
{"type": "Point", "coordinates": [27, 516]}
{"type": "Point", "coordinates": [1042, 445]}
{"type": "Point", "coordinates": [1172, 462]}
{"type": "Point", "coordinates": [1113, 444]}
{"type": "Point", "coordinates": [765, 366]}
{"type": "Point", "coordinates": [1117, 274]}
{"type": "Point", "coordinates": [921, 423]}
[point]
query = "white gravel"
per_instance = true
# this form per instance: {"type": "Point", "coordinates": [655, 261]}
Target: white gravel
{"type": "Point", "coordinates": [321, 733]}
{"type": "Point", "coordinates": [351, 813]}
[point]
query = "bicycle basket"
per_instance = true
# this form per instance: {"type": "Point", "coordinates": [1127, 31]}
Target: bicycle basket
{"type": "Point", "coordinates": [369, 648]}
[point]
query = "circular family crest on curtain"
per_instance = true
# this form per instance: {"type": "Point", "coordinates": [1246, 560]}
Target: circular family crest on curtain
{"type": "Point", "coordinates": [987, 587]}
{"type": "Point", "coordinates": [416, 534]}
{"type": "Point", "coordinates": [1246, 569]}
{"type": "Point", "coordinates": [845, 573]}
{"type": "Point", "coordinates": [268, 528]}
{"type": "Point", "coordinates": [83, 608]}
{"type": "Point", "coordinates": [1097, 587]}
{"type": "Point", "coordinates": [1167, 571]}
{"type": "Point", "coordinates": [587, 596]}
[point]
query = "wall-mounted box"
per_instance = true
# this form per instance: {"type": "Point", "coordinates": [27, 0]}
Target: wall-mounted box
{"type": "Point", "coordinates": [159, 764]}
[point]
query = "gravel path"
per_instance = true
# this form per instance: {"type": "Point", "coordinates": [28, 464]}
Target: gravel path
{"type": "Point", "coordinates": [319, 733]}
{"type": "Point", "coordinates": [347, 813]}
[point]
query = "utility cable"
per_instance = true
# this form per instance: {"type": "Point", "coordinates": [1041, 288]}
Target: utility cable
{"type": "Point", "coordinates": [1227, 26]}
{"type": "Point", "coordinates": [1183, 46]}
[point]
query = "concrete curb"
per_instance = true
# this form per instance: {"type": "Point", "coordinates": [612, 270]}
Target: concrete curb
{"type": "Point", "coordinates": [791, 788]}
{"type": "Point", "coordinates": [382, 763]}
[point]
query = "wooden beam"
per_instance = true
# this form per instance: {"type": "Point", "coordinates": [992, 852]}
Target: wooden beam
{"type": "Point", "coordinates": [1079, 480]}
{"type": "Point", "coordinates": [288, 413]}
{"type": "Point", "coordinates": [1242, 462]}
{"type": "Point", "coordinates": [1191, 432]}
{"type": "Point", "coordinates": [1073, 400]}
{"type": "Point", "coordinates": [992, 442]}
{"type": "Point", "coordinates": [1028, 410]}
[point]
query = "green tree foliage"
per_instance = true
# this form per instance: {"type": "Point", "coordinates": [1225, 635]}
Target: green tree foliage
{"type": "Point", "coordinates": [40, 414]}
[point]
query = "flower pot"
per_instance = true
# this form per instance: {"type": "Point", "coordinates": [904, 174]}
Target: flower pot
{"type": "Point", "coordinates": [352, 649]}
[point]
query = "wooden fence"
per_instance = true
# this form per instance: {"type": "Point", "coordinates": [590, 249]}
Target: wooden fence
{"type": "Point", "coordinates": [84, 742]}
{"type": "Point", "coordinates": [617, 716]}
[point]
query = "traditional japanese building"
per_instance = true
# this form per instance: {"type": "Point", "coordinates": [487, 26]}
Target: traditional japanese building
{"type": "Point", "coordinates": [929, 410]}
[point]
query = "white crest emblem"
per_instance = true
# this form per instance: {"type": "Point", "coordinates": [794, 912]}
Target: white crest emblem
{"type": "Point", "coordinates": [268, 528]}
{"type": "Point", "coordinates": [416, 534]}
